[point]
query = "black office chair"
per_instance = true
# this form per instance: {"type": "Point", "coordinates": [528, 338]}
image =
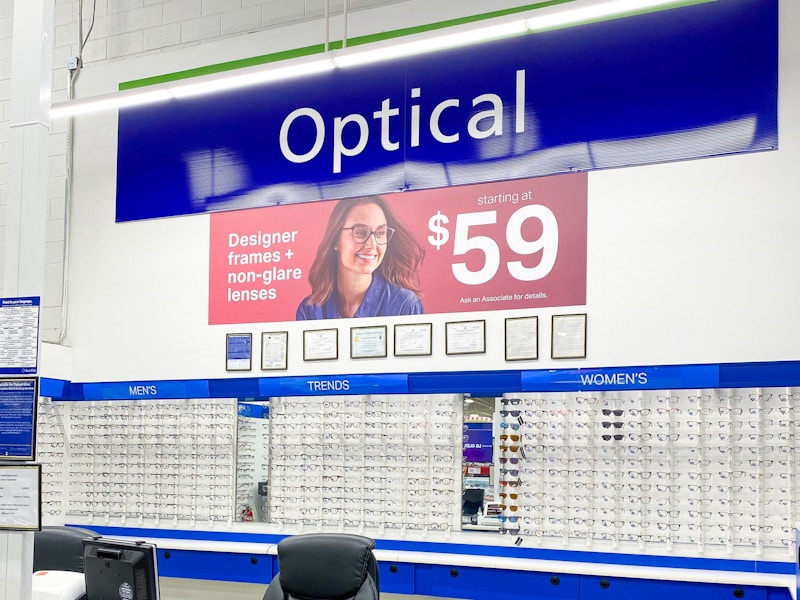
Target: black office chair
{"type": "Point", "coordinates": [59, 548]}
{"type": "Point", "coordinates": [323, 566]}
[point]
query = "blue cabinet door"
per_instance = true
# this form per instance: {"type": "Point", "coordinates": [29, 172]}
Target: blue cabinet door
{"type": "Point", "coordinates": [619, 588]}
{"type": "Point", "coordinates": [217, 566]}
{"type": "Point", "coordinates": [396, 578]}
{"type": "Point", "coordinates": [497, 584]}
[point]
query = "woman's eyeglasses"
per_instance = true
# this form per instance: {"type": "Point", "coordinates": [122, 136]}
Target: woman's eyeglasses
{"type": "Point", "coordinates": [361, 234]}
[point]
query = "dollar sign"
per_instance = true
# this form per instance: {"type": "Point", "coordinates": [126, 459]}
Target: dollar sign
{"type": "Point", "coordinates": [437, 226]}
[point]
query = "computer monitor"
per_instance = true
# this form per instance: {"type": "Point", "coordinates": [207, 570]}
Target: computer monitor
{"type": "Point", "coordinates": [477, 443]}
{"type": "Point", "coordinates": [120, 569]}
{"type": "Point", "coordinates": [471, 501]}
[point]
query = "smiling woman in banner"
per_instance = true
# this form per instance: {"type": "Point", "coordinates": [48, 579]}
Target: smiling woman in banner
{"type": "Point", "coordinates": [365, 266]}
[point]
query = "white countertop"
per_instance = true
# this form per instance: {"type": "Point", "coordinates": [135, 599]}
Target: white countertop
{"type": "Point", "coordinates": [516, 564]}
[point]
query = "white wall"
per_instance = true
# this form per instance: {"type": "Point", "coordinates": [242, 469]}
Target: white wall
{"type": "Point", "coordinates": [688, 262]}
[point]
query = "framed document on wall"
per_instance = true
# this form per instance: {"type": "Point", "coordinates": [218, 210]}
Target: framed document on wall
{"type": "Point", "coordinates": [568, 336]}
{"type": "Point", "coordinates": [368, 342]}
{"type": "Point", "coordinates": [465, 337]}
{"type": "Point", "coordinates": [413, 339]}
{"type": "Point", "coordinates": [274, 350]}
{"type": "Point", "coordinates": [238, 352]}
{"type": "Point", "coordinates": [522, 338]}
{"type": "Point", "coordinates": [20, 497]}
{"type": "Point", "coordinates": [320, 344]}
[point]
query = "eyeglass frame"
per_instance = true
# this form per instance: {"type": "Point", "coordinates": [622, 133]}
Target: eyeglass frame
{"type": "Point", "coordinates": [372, 232]}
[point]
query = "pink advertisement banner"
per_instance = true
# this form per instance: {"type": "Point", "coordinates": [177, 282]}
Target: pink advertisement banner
{"type": "Point", "coordinates": [495, 246]}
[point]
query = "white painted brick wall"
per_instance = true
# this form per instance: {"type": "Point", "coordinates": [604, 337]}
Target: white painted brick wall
{"type": "Point", "coordinates": [203, 28]}
{"type": "Point", "coordinates": [280, 12]}
{"type": "Point", "coordinates": [316, 8]}
{"type": "Point", "coordinates": [241, 21]}
{"type": "Point", "coordinates": [200, 21]}
{"type": "Point", "coordinates": [219, 6]}
{"type": "Point", "coordinates": [125, 44]}
{"type": "Point", "coordinates": [104, 26]}
{"type": "Point", "coordinates": [62, 14]}
{"type": "Point", "coordinates": [144, 18]}
{"type": "Point", "coordinates": [101, 9]}
{"type": "Point", "coordinates": [121, 5]}
{"type": "Point", "coordinates": [176, 11]}
{"type": "Point", "coordinates": [93, 52]}
{"type": "Point", "coordinates": [162, 36]}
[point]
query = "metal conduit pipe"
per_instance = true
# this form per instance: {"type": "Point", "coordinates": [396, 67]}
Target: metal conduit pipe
{"type": "Point", "coordinates": [74, 72]}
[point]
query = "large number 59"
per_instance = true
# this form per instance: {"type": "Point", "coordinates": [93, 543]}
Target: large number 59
{"type": "Point", "coordinates": [547, 243]}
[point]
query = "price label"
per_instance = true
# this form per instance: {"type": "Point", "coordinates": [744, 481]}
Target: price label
{"type": "Point", "coordinates": [470, 234]}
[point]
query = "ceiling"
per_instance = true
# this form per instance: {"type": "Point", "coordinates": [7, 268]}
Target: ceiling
{"type": "Point", "coordinates": [482, 408]}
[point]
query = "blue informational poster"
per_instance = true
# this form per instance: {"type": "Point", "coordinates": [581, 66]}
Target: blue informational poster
{"type": "Point", "coordinates": [238, 351]}
{"type": "Point", "coordinates": [693, 81]}
{"type": "Point", "coordinates": [18, 398]}
{"type": "Point", "coordinates": [19, 335]}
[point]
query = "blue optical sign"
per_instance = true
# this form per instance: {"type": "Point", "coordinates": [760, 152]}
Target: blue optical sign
{"type": "Point", "coordinates": [334, 385]}
{"type": "Point", "coordinates": [144, 390]}
{"type": "Point", "coordinates": [693, 81]}
{"type": "Point", "coordinates": [623, 378]}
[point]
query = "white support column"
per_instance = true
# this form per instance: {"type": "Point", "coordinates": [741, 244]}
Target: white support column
{"type": "Point", "coordinates": [31, 74]}
{"type": "Point", "coordinates": [15, 574]}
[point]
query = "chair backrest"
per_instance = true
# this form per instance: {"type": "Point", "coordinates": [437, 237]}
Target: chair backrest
{"type": "Point", "coordinates": [325, 566]}
{"type": "Point", "coordinates": [59, 548]}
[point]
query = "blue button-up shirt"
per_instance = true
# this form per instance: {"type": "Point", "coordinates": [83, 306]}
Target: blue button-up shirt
{"type": "Point", "coordinates": [381, 300]}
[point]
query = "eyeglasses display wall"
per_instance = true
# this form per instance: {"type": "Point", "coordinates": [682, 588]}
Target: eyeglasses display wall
{"type": "Point", "coordinates": [651, 468]}
{"type": "Point", "coordinates": [386, 462]}
{"type": "Point", "coordinates": [157, 459]}
{"type": "Point", "coordinates": [51, 452]}
{"type": "Point", "coordinates": [712, 472]}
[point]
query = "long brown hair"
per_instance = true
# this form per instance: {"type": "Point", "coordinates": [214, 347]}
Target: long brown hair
{"type": "Point", "coordinates": [400, 262]}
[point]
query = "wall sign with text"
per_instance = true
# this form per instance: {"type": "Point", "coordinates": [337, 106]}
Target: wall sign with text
{"type": "Point", "coordinates": [499, 246]}
{"type": "Point", "coordinates": [692, 81]}
{"type": "Point", "coordinates": [18, 403]}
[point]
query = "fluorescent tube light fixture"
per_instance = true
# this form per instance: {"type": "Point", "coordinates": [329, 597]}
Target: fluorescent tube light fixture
{"type": "Point", "coordinates": [185, 89]}
{"type": "Point", "coordinates": [107, 102]}
{"type": "Point", "coordinates": [235, 81]}
{"type": "Point", "coordinates": [544, 19]}
{"type": "Point", "coordinates": [595, 12]}
{"type": "Point", "coordinates": [433, 44]}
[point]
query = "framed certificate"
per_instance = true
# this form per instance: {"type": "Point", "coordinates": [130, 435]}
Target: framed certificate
{"type": "Point", "coordinates": [413, 340]}
{"type": "Point", "coordinates": [522, 338]}
{"type": "Point", "coordinates": [368, 342]}
{"type": "Point", "coordinates": [238, 351]}
{"type": "Point", "coordinates": [20, 497]}
{"type": "Point", "coordinates": [568, 336]}
{"type": "Point", "coordinates": [465, 337]}
{"type": "Point", "coordinates": [321, 344]}
{"type": "Point", "coordinates": [274, 346]}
